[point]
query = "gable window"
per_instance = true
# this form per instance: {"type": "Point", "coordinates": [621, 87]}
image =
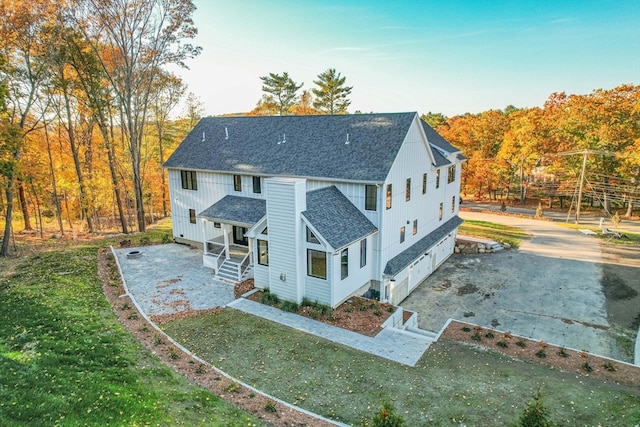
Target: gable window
{"type": "Point", "coordinates": [316, 264]}
{"type": "Point", "coordinates": [257, 188]}
{"type": "Point", "coordinates": [237, 183]}
{"type": "Point", "coordinates": [192, 216]}
{"type": "Point", "coordinates": [415, 226]}
{"type": "Point", "coordinates": [401, 234]}
{"type": "Point", "coordinates": [344, 264]}
{"type": "Point", "coordinates": [453, 204]}
{"type": "Point", "coordinates": [424, 183]}
{"type": "Point", "coordinates": [452, 174]}
{"type": "Point", "coordinates": [440, 213]}
{"type": "Point", "coordinates": [437, 178]}
{"type": "Point", "coordinates": [311, 238]}
{"type": "Point", "coordinates": [408, 190]}
{"type": "Point", "coordinates": [263, 252]}
{"type": "Point", "coordinates": [265, 231]}
{"type": "Point", "coordinates": [363, 252]}
{"type": "Point", "coordinates": [189, 180]}
{"type": "Point", "coordinates": [388, 196]}
{"type": "Point", "coordinates": [370, 197]}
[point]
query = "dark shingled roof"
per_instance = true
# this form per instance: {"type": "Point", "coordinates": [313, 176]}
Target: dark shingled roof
{"type": "Point", "coordinates": [398, 263]}
{"type": "Point", "coordinates": [440, 159]}
{"type": "Point", "coordinates": [300, 146]}
{"type": "Point", "coordinates": [337, 220]}
{"type": "Point", "coordinates": [235, 209]}
{"type": "Point", "coordinates": [434, 138]}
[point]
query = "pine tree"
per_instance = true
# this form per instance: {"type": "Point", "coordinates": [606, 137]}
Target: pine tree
{"type": "Point", "coordinates": [282, 90]}
{"type": "Point", "coordinates": [331, 94]}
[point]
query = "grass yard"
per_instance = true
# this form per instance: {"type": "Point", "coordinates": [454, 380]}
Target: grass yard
{"type": "Point", "coordinates": [453, 384]}
{"type": "Point", "coordinates": [65, 359]}
{"type": "Point", "coordinates": [490, 230]}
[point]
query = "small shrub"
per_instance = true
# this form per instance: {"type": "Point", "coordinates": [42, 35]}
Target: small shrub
{"type": "Point", "coordinates": [144, 328]}
{"type": "Point", "coordinates": [166, 238]}
{"type": "Point", "coordinates": [348, 309]}
{"type": "Point", "coordinates": [562, 353]}
{"type": "Point", "coordinates": [133, 316]}
{"type": "Point", "coordinates": [476, 336]}
{"type": "Point", "coordinates": [232, 387]}
{"type": "Point", "coordinates": [608, 366]}
{"type": "Point", "coordinates": [377, 312]}
{"type": "Point", "coordinates": [535, 414]}
{"type": "Point", "coordinates": [125, 306]}
{"type": "Point", "coordinates": [466, 329]}
{"type": "Point", "coordinates": [145, 240]}
{"type": "Point", "coordinates": [521, 343]}
{"type": "Point", "coordinates": [174, 353]}
{"type": "Point", "coordinates": [587, 367]}
{"type": "Point", "coordinates": [315, 313]}
{"type": "Point", "coordinates": [306, 302]}
{"type": "Point", "coordinates": [541, 353]}
{"type": "Point", "coordinates": [252, 395]}
{"type": "Point", "coordinates": [157, 339]}
{"type": "Point", "coordinates": [270, 406]}
{"type": "Point", "coordinates": [201, 369]}
{"type": "Point", "coordinates": [387, 417]}
{"type": "Point", "coordinates": [489, 335]}
{"type": "Point", "coordinates": [290, 306]}
{"type": "Point", "coordinates": [269, 298]}
{"type": "Point", "coordinates": [502, 344]}
{"type": "Point", "coordinates": [363, 308]}
{"type": "Point", "coordinates": [391, 309]}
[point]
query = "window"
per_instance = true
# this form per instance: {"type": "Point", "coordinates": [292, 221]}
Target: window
{"type": "Point", "coordinates": [316, 264]}
{"type": "Point", "coordinates": [388, 196]}
{"type": "Point", "coordinates": [189, 181]}
{"type": "Point", "coordinates": [192, 216]}
{"type": "Point", "coordinates": [370, 197]}
{"type": "Point", "coordinates": [415, 226]}
{"type": "Point", "coordinates": [237, 183]}
{"type": "Point", "coordinates": [363, 252]}
{"type": "Point", "coordinates": [424, 183]}
{"type": "Point", "coordinates": [401, 234]}
{"type": "Point", "coordinates": [452, 174]}
{"type": "Point", "coordinates": [217, 225]}
{"type": "Point", "coordinates": [453, 204]}
{"type": "Point", "coordinates": [408, 190]}
{"type": "Point", "coordinates": [265, 231]}
{"type": "Point", "coordinates": [344, 264]}
{"type": "Point", "coordinates": [437, 178]}
{"type": "Point", "coordinates": [257, 188]}
{"type": "Point", "coordinates": [263, 252]}
{"type": "Point", "coordinates": [440, 213]}
{"type": "Point", "coordinates": [311, 238]}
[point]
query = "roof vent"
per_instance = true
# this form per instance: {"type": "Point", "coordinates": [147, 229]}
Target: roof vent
{"type": "Point", "coordinates": [284, 139]}
{"type": "Point", "coordinates": [226, 133]}
{"type": "Point", "coordinates": [203, 137]}
{"type": "Point", "coordinates": [347, 142]}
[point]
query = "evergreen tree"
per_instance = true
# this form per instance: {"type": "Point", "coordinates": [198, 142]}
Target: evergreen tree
{"type": "Point", "coordinates": [332, 96]}
{"type": "Point", "coordinates": [282, 90]}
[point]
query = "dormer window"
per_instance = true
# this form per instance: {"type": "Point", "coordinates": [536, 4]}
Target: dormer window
{"type": "Point", "coordinates": [311, 238]}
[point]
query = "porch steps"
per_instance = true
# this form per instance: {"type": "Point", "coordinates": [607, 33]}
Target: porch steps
{"type": "Point", "coordinates": [417, 334]}
{"type": "Point", "coordinates": [229, 273]}
{"type": "Point", "coordinates": [428, 334]}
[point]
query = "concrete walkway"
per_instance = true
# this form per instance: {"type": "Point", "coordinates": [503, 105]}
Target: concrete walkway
{"type": "Point", "coordinates": [170, 278]}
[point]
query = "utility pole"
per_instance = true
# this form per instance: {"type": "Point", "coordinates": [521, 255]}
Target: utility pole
{"type": "Point", "coordinates": [584, 167]}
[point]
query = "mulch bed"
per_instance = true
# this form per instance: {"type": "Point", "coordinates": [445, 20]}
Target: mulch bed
{"type": "Point", "coordinates": [582, 363]}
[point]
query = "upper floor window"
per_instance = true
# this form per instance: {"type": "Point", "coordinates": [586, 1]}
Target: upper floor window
{"type": "Point", "coordinates": [388, 196]}
{"type": "Point", "coordinates": [311, 238]}
{"type": "Point", "coordinates": [189, 180]}
{"type": "Point", "coordinates": [453, 204]}
{"type": "Point", "coordinates": [344, 264]}
{"type": "Point", "coordinates": [363, 252]}
{"type": "Point", "coordinates": [401, 234]}
{"type": "Point", "coordinates": [424, 183]}
{"type": "Point", "coordinates": [407, 190]}
{"type": "Point", "coordinates": [192, 216]}
{"type": "Point", "coordinates": [437, 178]}
{"type": "Point", "coordinates": [316, 264]}
{"type": "Point", "coordinates": [415, 226]}
{"type": "Point", "coordinates": [237, 183]}
{"type": "Point", "coordinates": [452, 174]}
{"type": "Point", "coordinates": [257, 187]}
{"type": "Point", "coordinates": [370, 197]}
{"type": "Point", "coordinates": [440, 212]}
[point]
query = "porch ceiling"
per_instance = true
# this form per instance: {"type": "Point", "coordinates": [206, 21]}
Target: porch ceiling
{"type": "Point", "coordinates": [236, 210]}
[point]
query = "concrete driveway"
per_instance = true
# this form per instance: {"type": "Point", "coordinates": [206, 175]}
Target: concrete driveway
{"type": "Point", "coordinates": [548, 289]}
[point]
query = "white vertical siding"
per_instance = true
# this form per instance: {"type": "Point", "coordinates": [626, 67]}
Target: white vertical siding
{"type": "Point", "coordinates": [287, 198]}
{"type": "Point", "coordinates": [357, 278]}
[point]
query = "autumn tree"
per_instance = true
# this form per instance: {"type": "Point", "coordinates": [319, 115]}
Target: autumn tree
{"type": "Point", "coordinates": [304, 106]}
{"type": "Point", "coordinates": [332, 96]}
{"type": "Point", "coordinates": [134, 39]}
{"type": "Point", "coordinates": [435, 120]}
{"type": "Point", "coordinates": [281, 89]}
{"type": "Point", "coordinates": [194, 109]}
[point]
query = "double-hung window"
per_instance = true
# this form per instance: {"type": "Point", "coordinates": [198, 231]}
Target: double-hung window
{"type": "Point", "coordinates": [316, 264]}
{"type": "Point", "coordinates": [189, 180]}
{"type": "Point", "coordinates": [370, 197]}
{"type": "Point", "coordinates": [408, 190]}
{"type": "Point", "coordinates": [389, 193]}
{"type": "Point", "coordinates": [257, 187]}
{"type": "Point", "coordinates": [344, 264]}
{"type": "Point", "coordinates": [237, 183]}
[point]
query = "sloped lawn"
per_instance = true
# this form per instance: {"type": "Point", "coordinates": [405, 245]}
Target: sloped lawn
{"type": "Point", "coordinates": [65, 360]}
{"type": "Point", "coordinates": [453, 382]}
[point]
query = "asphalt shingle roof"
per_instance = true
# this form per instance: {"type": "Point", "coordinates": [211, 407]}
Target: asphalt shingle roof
{"type": "Point", "coordinates": [236, 209]}
{"type": "Point", "coordinates": [301, 146]}
{"type": "Point", "coordinates": [398, 263]}
{"type": "Point", "coordinates": [337, 220]}
{"type": "Point", "coordinates": [436, 139]}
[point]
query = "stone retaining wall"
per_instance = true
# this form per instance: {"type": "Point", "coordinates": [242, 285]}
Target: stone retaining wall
{"type": "Point", "coordinates": [468, 247]}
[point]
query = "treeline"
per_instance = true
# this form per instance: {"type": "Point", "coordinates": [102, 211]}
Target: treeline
{"type": "Point", "coordinates": [546, 153]}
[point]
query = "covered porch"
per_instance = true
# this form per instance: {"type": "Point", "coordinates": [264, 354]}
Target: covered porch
{"type": "Point", "coordinates": [227, 250]}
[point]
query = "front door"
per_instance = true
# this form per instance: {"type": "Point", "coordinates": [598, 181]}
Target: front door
{"type": "Point", "coordinates": [239, 237]}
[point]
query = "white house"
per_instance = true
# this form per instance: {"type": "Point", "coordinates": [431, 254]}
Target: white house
{"type": "Point", "coordinates": [323, 207]}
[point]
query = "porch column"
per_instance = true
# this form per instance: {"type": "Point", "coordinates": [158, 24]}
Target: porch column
{"type": "Point", "coordinates": [203, 228]}
{"type": "Point", "coordinates": [225, 232]}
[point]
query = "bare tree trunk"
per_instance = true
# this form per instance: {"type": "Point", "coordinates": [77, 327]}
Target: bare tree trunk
{"type": "Point", "coordinates": [54, 187]}
{"type": "Point", "coordinates": [39, 212]}
{"type": "Point", "coordinates": [8, 218]}
{"type": "Point", "coordinates": [629, 212]}
{"type": "Point", "coordinates": [111, 154]}
{"type": "Point", "coordinates": [24, 206]}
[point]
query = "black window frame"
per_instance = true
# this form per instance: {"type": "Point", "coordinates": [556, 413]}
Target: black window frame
{"type": "Point", "coordinates": [415, 226]}
{"type": "Point", "coordinates": [424, 183]}
{"type": "Point", "coordinates": [189, 180]}
{"type": "Point", "coordinates": [437, 178]}
{"type": "Point", "coordinates": [310, 259]}
{"type": "Point", "coordinates": [451, 174]}
{"type": "Point", "coordinates": [257, 185]}
{"type": "Point", "coordinates": [344, 264]}
{"type": "Point", "coordinates": [453, 204]}
{"type": "Point", "coordinates": [370, 197]}
{"type": "Point", "coordinates": [407, 191]}
{"type": "Point", "coordinates": [363, 252]}
{"type": "Point", "coordinates": [266, 252]}
{"type": "Point", "coordinates": [441, 211]}
{"type": "Point", "coordinates": [402, 234]}
{"type": "Point", "coordinates": [237, 182]}
{"type": "Point", "coordinates": [389, 196]}
{"type": "Point", "coordinates": [311, 237]}
{"type": "Point", "coordinates": [192, 216]}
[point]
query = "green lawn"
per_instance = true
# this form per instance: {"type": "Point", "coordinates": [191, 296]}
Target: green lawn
{"type": "Point", "coordinates": [65, 359]}
{"type": "Point", "coordinates": [452, 383]}
{"type": "Point", "coordinates": [490, 230]}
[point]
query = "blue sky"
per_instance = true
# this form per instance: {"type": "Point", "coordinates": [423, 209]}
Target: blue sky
{"type": "Point", "coordinates": [442, 56]}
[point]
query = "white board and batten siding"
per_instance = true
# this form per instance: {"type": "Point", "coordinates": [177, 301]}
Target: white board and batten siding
{"type": "Point", "coordinates": [357, 277]}
{"type": "Point", "coordinates": [287, 199]}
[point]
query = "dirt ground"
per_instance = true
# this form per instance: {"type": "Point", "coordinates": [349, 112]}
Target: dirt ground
{"type": "Point", "coordinates": [621, 284]}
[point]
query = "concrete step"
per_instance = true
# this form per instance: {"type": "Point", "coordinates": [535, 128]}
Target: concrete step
{"type": "Point", "coordinates": [414, 335]}
{"type": "Point", "coordinates": [423, 332]}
